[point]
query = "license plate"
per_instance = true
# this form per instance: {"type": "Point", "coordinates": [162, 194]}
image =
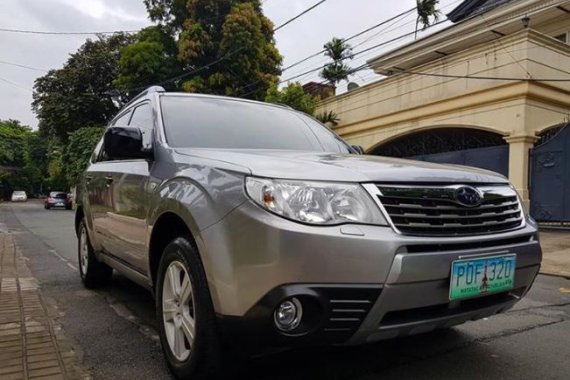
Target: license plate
{"type": "Point", "coordinates": [59, 204]}
{"type": "Point", "coordinates": [474, 277]}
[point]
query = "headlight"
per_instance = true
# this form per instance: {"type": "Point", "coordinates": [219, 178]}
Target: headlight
{"type": "Point", "coordinates": [315, 202]}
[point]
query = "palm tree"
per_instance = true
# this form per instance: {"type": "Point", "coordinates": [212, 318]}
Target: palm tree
{"type": "Point", "coordinates": [337, 49]}
{"type": "Point", "coordinates": [426, 10]}
{"type": "Point", "coordinates": [336, 71]}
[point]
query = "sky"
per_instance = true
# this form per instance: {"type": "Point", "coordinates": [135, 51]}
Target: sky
{"type": "Point", "coordinates": [301, 38]}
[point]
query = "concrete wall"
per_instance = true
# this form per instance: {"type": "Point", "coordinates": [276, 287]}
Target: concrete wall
{"type": "Point", "coordinates": [405, 103]}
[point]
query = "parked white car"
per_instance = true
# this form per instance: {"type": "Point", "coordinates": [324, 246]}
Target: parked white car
{"type": "Point", "coordinates": [19, 196]}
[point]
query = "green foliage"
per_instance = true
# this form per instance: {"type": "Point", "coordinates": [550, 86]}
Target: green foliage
{"type": "Point", "coordinates": [294, 96]}
{"type": "Point", "coordinates": [35, 161]}
{"type": "Point", "coordinates": [168, 13]}
{"type": "Point", "coordinates": [338, 51]}
{"type": "Point", "coordinates": [231, 41]}
{"type": "Point", "coordinates": [328, 118]}
{"type": "Point", "coordinates": [12, 142]}
{"type": "Point", "coordinates": [81, 93]}
{"type": "Point", "coordinates": [78, 151]}
{"type": "Point", "coordinates": [426, 9]}
{"type": "Point", "coordinates": [23, 158]}
{"type": "Point", "coordinates": [149, 60]}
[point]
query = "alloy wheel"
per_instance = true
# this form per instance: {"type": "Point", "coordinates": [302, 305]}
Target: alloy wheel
{"type": "Point", "coordinates": [178, 310]}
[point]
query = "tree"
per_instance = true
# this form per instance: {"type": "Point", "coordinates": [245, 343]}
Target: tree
{"type": "Point", "coordinates": [426, 9]}
{"type": "Point", "coordinates": [339, 51]}
{"type": "Point", "coordinates": [22, 158]}
{"type": "Point", "coordinates": [294, 96]}
{"type": "Point", "coordinates": [81, 93]}
{"type": "Point", "coordinates": [35, 161]}
{"type": "Point", "coordinates": [78, 151]}
{"type": "Point", "coordinates": [224, 45]}
{"type": "Point", "coordinates": [12, 143]}
{"type": "Point", "coordinates": [149, 60]}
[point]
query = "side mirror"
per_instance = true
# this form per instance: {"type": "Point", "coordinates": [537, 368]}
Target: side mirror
{"type": "Point", "coordinates": [122, 143]}
{"type": "Point", "coordinates": [357, 149]}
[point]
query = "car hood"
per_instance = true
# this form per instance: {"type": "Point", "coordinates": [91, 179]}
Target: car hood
{"type": "Point", "coordinates": [342, 167]}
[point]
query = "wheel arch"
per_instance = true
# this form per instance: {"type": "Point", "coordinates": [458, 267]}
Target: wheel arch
{"type": "Point", "coordinates": [79, 215]}
{"type": "Point", "coordinates": [170, 223]}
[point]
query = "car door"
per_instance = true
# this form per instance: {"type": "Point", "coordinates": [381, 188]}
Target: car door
{"type": "Point", "coordinates": [125, 224]}
{"type": "Point", "coordinates": [98, 189]}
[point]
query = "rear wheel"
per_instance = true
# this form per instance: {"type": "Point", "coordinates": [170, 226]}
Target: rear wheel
{"type": "Point", "coordinates": [93, 273]}
{"type": "Point", "coordinates": [185, 314]}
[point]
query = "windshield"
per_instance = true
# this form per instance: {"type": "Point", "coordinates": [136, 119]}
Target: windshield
{"type": "Point", "coordinates": [230, 124]}
{"type": "Point", "coordinates": [19, 193]}
{"type": "Point", "coordinates": [58, 195]}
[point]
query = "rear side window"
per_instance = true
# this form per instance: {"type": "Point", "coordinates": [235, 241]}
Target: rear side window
{"type": "Point", "coordinates": [142, 119]}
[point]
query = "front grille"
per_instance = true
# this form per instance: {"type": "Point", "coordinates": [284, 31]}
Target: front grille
{"type": "Point", "coordinates": [435, 210]}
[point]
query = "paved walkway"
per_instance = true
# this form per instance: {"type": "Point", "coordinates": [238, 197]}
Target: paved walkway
{"type": "Point", "coordinates": [556, 253]}
{"type": "Point", "coordinates": [32, 344]}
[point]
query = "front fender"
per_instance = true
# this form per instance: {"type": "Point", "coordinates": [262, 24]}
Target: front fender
{"type": "Point", "coordinates": [199, 206]}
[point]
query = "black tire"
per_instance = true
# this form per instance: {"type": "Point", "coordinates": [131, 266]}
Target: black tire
{"type": "Point", "coordinates": [46, 207]}
{"type": "Point", "coordinates": [96, 274]}
{"type": "Point", "coordinates": [206, 354]}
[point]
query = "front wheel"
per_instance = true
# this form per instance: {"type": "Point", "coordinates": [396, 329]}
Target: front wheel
{"type": "Point", "coordinates": [185, 314]}
{"type": "Point", "coordinates": [94, 273]}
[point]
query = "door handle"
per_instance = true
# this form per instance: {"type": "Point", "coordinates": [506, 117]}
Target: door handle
{"type": "Point", "coordinates": [108, 180]}
{"type": "Point", "coordinates": [88, 178]}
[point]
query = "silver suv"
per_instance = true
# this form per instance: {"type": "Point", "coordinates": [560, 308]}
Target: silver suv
{"type": "Point", "coordinates": [253, 220]}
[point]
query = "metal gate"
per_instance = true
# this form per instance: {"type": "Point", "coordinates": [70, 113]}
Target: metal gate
{"type": "Point", "coordinates": [495, 158]}
{"type": "Point", "coordinates": [550, 179]}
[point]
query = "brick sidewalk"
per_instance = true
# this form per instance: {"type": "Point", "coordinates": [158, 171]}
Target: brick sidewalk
{"type": "Point", "coordinates": [32, 344]}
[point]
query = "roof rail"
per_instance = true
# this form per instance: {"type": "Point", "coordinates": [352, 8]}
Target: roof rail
{"type": "Point", "coordinates": [149, 90]}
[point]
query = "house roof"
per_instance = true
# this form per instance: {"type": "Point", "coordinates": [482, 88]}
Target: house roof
{"type": "Point", "coordinates": [470, 8]}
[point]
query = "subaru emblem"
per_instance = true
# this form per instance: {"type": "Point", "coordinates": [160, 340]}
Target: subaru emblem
{"type": "Point", "coordinates": [468, 196]}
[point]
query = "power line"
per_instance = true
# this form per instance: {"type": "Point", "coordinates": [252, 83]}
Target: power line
{"type": "Point", "coordinates": [65, 33]}
{"type": "Point", "coordinates": [88, 33]}
{"type": "Point", "coordinates": [351, 37]}
{"type": "Point", "coordinates": [324, 50]}
{"type": "Point", "coordinates": [353, 55]}
{"type": "Point", "coordinates": [207, 66]}
{"type": "Point", "coordinates": [299, 15]}
{"type": "Point", "coordinates": [14, 84]}
{"type": "Point", "coordinates": [22, 66]}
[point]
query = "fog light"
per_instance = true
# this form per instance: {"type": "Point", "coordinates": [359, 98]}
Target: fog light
{"type": "Point", "coordinates": [288, 315]}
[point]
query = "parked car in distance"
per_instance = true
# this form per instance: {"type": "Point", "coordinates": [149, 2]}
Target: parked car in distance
{"type": "Point", "coordinates": [58, 199]}
{"type": "Point", "coordinates": [254, 224]}
{"type": "Point", "coordinates": [19, 196]}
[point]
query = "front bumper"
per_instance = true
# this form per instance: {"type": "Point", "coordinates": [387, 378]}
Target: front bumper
{"type": "Point", "coordinates": [254, 260]}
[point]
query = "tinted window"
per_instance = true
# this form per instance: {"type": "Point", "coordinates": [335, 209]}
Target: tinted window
{"type": "Point", "coordinates": [142, 118]}
{"type": "Point", "coordinates": [220, 123]}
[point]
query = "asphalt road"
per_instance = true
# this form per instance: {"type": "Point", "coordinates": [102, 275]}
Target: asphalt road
{"type": "Point", "coordinates": [114, 328]}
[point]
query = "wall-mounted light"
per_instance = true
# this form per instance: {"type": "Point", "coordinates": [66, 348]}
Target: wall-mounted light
{"type": "Point", "coordinates": [526, 21]}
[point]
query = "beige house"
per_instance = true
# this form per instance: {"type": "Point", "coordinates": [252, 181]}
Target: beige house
{"type": "Point", "coordinates": [498, 77]}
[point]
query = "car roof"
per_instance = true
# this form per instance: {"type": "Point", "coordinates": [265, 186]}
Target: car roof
{"type": "Point", "coordinates": [221, 97]}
